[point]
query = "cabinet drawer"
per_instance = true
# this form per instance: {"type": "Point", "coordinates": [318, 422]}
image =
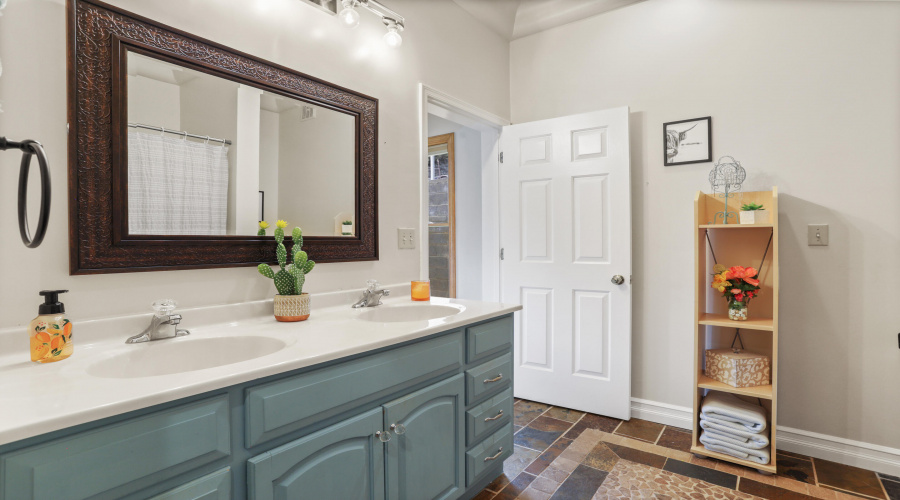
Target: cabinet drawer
{"type": "Point", "coordinates": [489, 338]}
{"type": "Point", "coordinates": [215, 486]}
{"type": "Point", "coordinates": [122, 458]}
{"type": "Point", "coordinates": [283, 406]}
{"type": "Point", "coordinates": [492, 451]}
{"type": "Point", "coordinates": [488, 416]}
{"type": "Point", "coordinates": [488, 378]}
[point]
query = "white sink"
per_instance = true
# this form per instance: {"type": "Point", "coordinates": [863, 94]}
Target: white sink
{"type": "Point", "coordinates": [411, 312]}
{"type": "Point", "coordinates": [165, 357]}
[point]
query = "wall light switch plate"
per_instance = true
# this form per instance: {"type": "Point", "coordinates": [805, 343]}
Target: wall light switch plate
{"type": "Point", "coordinates": [817, 235]}
{"type": "Point", "coordinates": [406, 238]}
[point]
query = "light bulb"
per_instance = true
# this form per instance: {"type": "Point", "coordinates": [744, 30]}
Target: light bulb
{"type": "Point", "coordinates": [392, 38]}
{"type": "Point", "coordinates": [349, 17]}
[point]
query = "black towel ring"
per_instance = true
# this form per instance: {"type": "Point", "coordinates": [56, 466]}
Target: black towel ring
{"type": "Point", "coordinates": [31, 148]}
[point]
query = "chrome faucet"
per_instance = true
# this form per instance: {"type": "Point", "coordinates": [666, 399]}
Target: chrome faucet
{"type": "Point", "coordinates": [163, 324]}
{"type": "Point", "coordinates": [371, 296]}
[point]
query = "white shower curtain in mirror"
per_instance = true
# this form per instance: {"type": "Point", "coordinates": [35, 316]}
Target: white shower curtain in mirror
{"type": "Point", "coordinates": [176, 186]}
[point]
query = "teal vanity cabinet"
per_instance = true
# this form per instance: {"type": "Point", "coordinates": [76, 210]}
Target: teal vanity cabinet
{"type": "Point", "coordinates": [425, 419]}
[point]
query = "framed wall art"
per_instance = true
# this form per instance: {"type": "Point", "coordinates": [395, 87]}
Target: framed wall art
{"type": "Point", "coordinates": [688, 141]}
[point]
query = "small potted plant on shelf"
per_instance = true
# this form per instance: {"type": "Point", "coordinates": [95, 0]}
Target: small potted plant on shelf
{"type": "Point", "coordinates": [347, 228]}
{"type": "Point", "coordinates": [738, 285]}
{"type": "Point", "coordinates": [291, 304]}
{"type": "Point", "coordinates": [751, 213]}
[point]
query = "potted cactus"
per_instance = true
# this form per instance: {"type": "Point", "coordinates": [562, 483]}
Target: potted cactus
{"type": "Point", "coordinates": [347, 228]}
{"type": "Point", "coordinates": [291, 304]}
{"type": "Point", "coordinates": [752, 213]}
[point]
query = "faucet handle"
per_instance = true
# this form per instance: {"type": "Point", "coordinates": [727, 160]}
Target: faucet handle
{"type": "Point", "coordinates": [372, 285]}
{"type": "Point", "coordinates": [164, 307]}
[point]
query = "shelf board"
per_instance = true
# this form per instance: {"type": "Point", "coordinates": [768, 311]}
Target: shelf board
{"type": "Point", "coordinates": [734, 226]}
{"type": "Point", "coordinates": [770, 467]}
{"type": "Point", "coordinates": [761, 391]}
{"type": "Point", "coordinates": [751, 324]}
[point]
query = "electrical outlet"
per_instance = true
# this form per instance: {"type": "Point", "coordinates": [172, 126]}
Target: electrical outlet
{"type": "Point", "coordinates": [817, 235]}
{"type": "Point", "coordinates": [406, 238]}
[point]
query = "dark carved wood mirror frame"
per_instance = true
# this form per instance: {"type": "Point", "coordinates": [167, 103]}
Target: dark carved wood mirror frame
{"type": "Point", "coordinates": [99, 39]}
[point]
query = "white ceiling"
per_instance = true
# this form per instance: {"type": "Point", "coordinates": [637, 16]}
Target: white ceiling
{"type": "Point", "coordinates": [513, 19]}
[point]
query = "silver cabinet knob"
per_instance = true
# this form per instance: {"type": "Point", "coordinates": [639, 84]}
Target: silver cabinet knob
{"type": "Point", "coordinates": [618, 279]}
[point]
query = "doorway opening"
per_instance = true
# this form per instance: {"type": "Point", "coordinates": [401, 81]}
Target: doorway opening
{"type": "Point", "coordinates": [440, 171]}
{"type": "Point", "coordinates": [459, 240]}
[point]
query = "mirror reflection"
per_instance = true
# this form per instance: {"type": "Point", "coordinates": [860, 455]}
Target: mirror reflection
{"type": "Point", "coordinates": [210, 156]}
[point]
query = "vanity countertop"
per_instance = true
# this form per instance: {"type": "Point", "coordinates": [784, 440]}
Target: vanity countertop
{"type": "Point", "coordinates": [37, 399]}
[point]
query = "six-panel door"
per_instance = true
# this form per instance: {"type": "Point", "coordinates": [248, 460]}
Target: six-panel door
{"type": "Point", "coordinates": [343, 461]}
{"type": "Point", "coordinates": [425, 456]}
{"type": "Point", "coordinates": [566, 218]}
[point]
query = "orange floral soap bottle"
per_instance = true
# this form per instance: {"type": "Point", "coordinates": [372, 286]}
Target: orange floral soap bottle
{"type": "Point", "coordinates": [51, 331]}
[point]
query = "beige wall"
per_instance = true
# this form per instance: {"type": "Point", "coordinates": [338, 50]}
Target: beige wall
{"type": "Point", "coordinates": [316, 176]}
{"type": "Point", "coordinates": [469, 63]}
{"type": "Point", "coordinates": [152, 102]}
{"type": "Point", "coordinates": [807, 96]}
{"type": "Point", "coordinates": [268, 162]}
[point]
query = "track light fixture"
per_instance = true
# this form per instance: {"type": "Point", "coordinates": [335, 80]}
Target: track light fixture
{"type": "Point", "coordinates": [393, 21]}
{"type": "Point", "coordinates": [348, 14]}
{"type": "Point", "coordinates": [392, 37]}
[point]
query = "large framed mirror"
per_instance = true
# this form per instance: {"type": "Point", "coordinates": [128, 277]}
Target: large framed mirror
{"type": "Point", "coordinates": [180, 147]}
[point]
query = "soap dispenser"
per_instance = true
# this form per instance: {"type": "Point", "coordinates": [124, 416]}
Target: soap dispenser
{"type": "Point", "coordinates": [51, 331]}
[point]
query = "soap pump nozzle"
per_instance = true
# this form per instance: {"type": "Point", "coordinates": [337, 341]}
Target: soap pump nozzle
{"type": "Point", "coordinates": [51, 304]}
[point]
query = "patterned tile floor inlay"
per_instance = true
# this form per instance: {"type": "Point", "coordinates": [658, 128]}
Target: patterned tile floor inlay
{"type": "Point", "coordinates": [563, 454]}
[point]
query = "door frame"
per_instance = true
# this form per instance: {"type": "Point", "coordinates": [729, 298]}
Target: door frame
{"type": "Point", "coordinates": [439, 103]}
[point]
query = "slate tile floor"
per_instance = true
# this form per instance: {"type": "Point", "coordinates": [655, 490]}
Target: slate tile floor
{"type": "Point", "coordinates": [563, 454]}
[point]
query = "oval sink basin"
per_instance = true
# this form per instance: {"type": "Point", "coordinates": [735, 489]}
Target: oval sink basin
{"type": "Point", "coordinates": [399, 314]}
{"type": "Point", "coordinates": [165, 357]}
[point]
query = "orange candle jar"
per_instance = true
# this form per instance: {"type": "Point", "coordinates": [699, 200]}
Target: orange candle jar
{"type": "Point", "coordinates": [421, 290]}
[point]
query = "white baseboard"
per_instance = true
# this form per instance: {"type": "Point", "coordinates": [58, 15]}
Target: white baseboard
{"type": "Point", "coordinates": [836, 449]}
{"type": "Point", "coordinates": [845, 451]}
{"type": "Point", "coordinates": [662, 413]}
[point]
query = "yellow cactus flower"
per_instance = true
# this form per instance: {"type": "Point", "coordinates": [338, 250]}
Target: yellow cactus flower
{"type": "Point", "coordinates": [263, 224]}
{"type": "Point", "coordinates": [282, 224]}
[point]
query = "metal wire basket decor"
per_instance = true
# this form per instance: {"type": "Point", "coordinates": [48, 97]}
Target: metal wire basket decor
{"type": "Point", "coordinates": [726, 181]}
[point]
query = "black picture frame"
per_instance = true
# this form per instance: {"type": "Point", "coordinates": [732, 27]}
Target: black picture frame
{"type": "Point", "coordinates": [678, 135]}
{"type": "Point", "coordinates": [262, 206]}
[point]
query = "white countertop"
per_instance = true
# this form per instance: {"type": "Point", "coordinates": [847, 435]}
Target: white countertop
{"type": "Point", "coordinates": [40, 398]}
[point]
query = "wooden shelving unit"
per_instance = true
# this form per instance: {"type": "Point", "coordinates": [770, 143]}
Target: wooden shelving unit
{"type": "Point", "coordinates": [735, 244]}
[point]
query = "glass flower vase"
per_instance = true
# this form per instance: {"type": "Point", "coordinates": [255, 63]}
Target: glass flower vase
{"type": "Point", "coordinates": [737, 310]}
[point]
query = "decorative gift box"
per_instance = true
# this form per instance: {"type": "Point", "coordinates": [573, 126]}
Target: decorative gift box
{"type": "Point", "coordinates": [738, 369]}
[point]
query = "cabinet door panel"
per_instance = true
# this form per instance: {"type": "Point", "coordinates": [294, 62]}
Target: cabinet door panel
{"type": "Point", "coordinates": [343, 461]}
{"type": "Point", "coordinates": [215, 486]}
{"type": "Point", "coordinates": [426, 461]}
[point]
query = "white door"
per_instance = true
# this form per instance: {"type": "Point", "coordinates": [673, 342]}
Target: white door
{"type": "Point", "coordinates": [565, 212]}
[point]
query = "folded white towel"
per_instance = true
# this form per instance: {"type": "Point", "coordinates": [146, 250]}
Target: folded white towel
{"type": "Point", "coordinates": [759, 456]}
{"type": "Point", "coordinates": [731, 411]}
{"type": "Point", "coordinates": [754, 441]}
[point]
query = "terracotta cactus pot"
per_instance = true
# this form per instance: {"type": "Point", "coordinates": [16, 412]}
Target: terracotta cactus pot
{"type": "Point", "coordinates": [292, 307]}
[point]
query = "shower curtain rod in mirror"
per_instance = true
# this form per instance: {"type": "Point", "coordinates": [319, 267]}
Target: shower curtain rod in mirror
{"type": "Point", "coordinates": [180, 132]}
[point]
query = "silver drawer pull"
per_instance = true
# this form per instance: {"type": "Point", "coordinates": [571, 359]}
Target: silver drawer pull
{"type": "Point", "coordinates": [495, 379]}
{"type": "Point", "coordinates": [499, 452]}
{"type": "Point", "coordinates": [494, 417]}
